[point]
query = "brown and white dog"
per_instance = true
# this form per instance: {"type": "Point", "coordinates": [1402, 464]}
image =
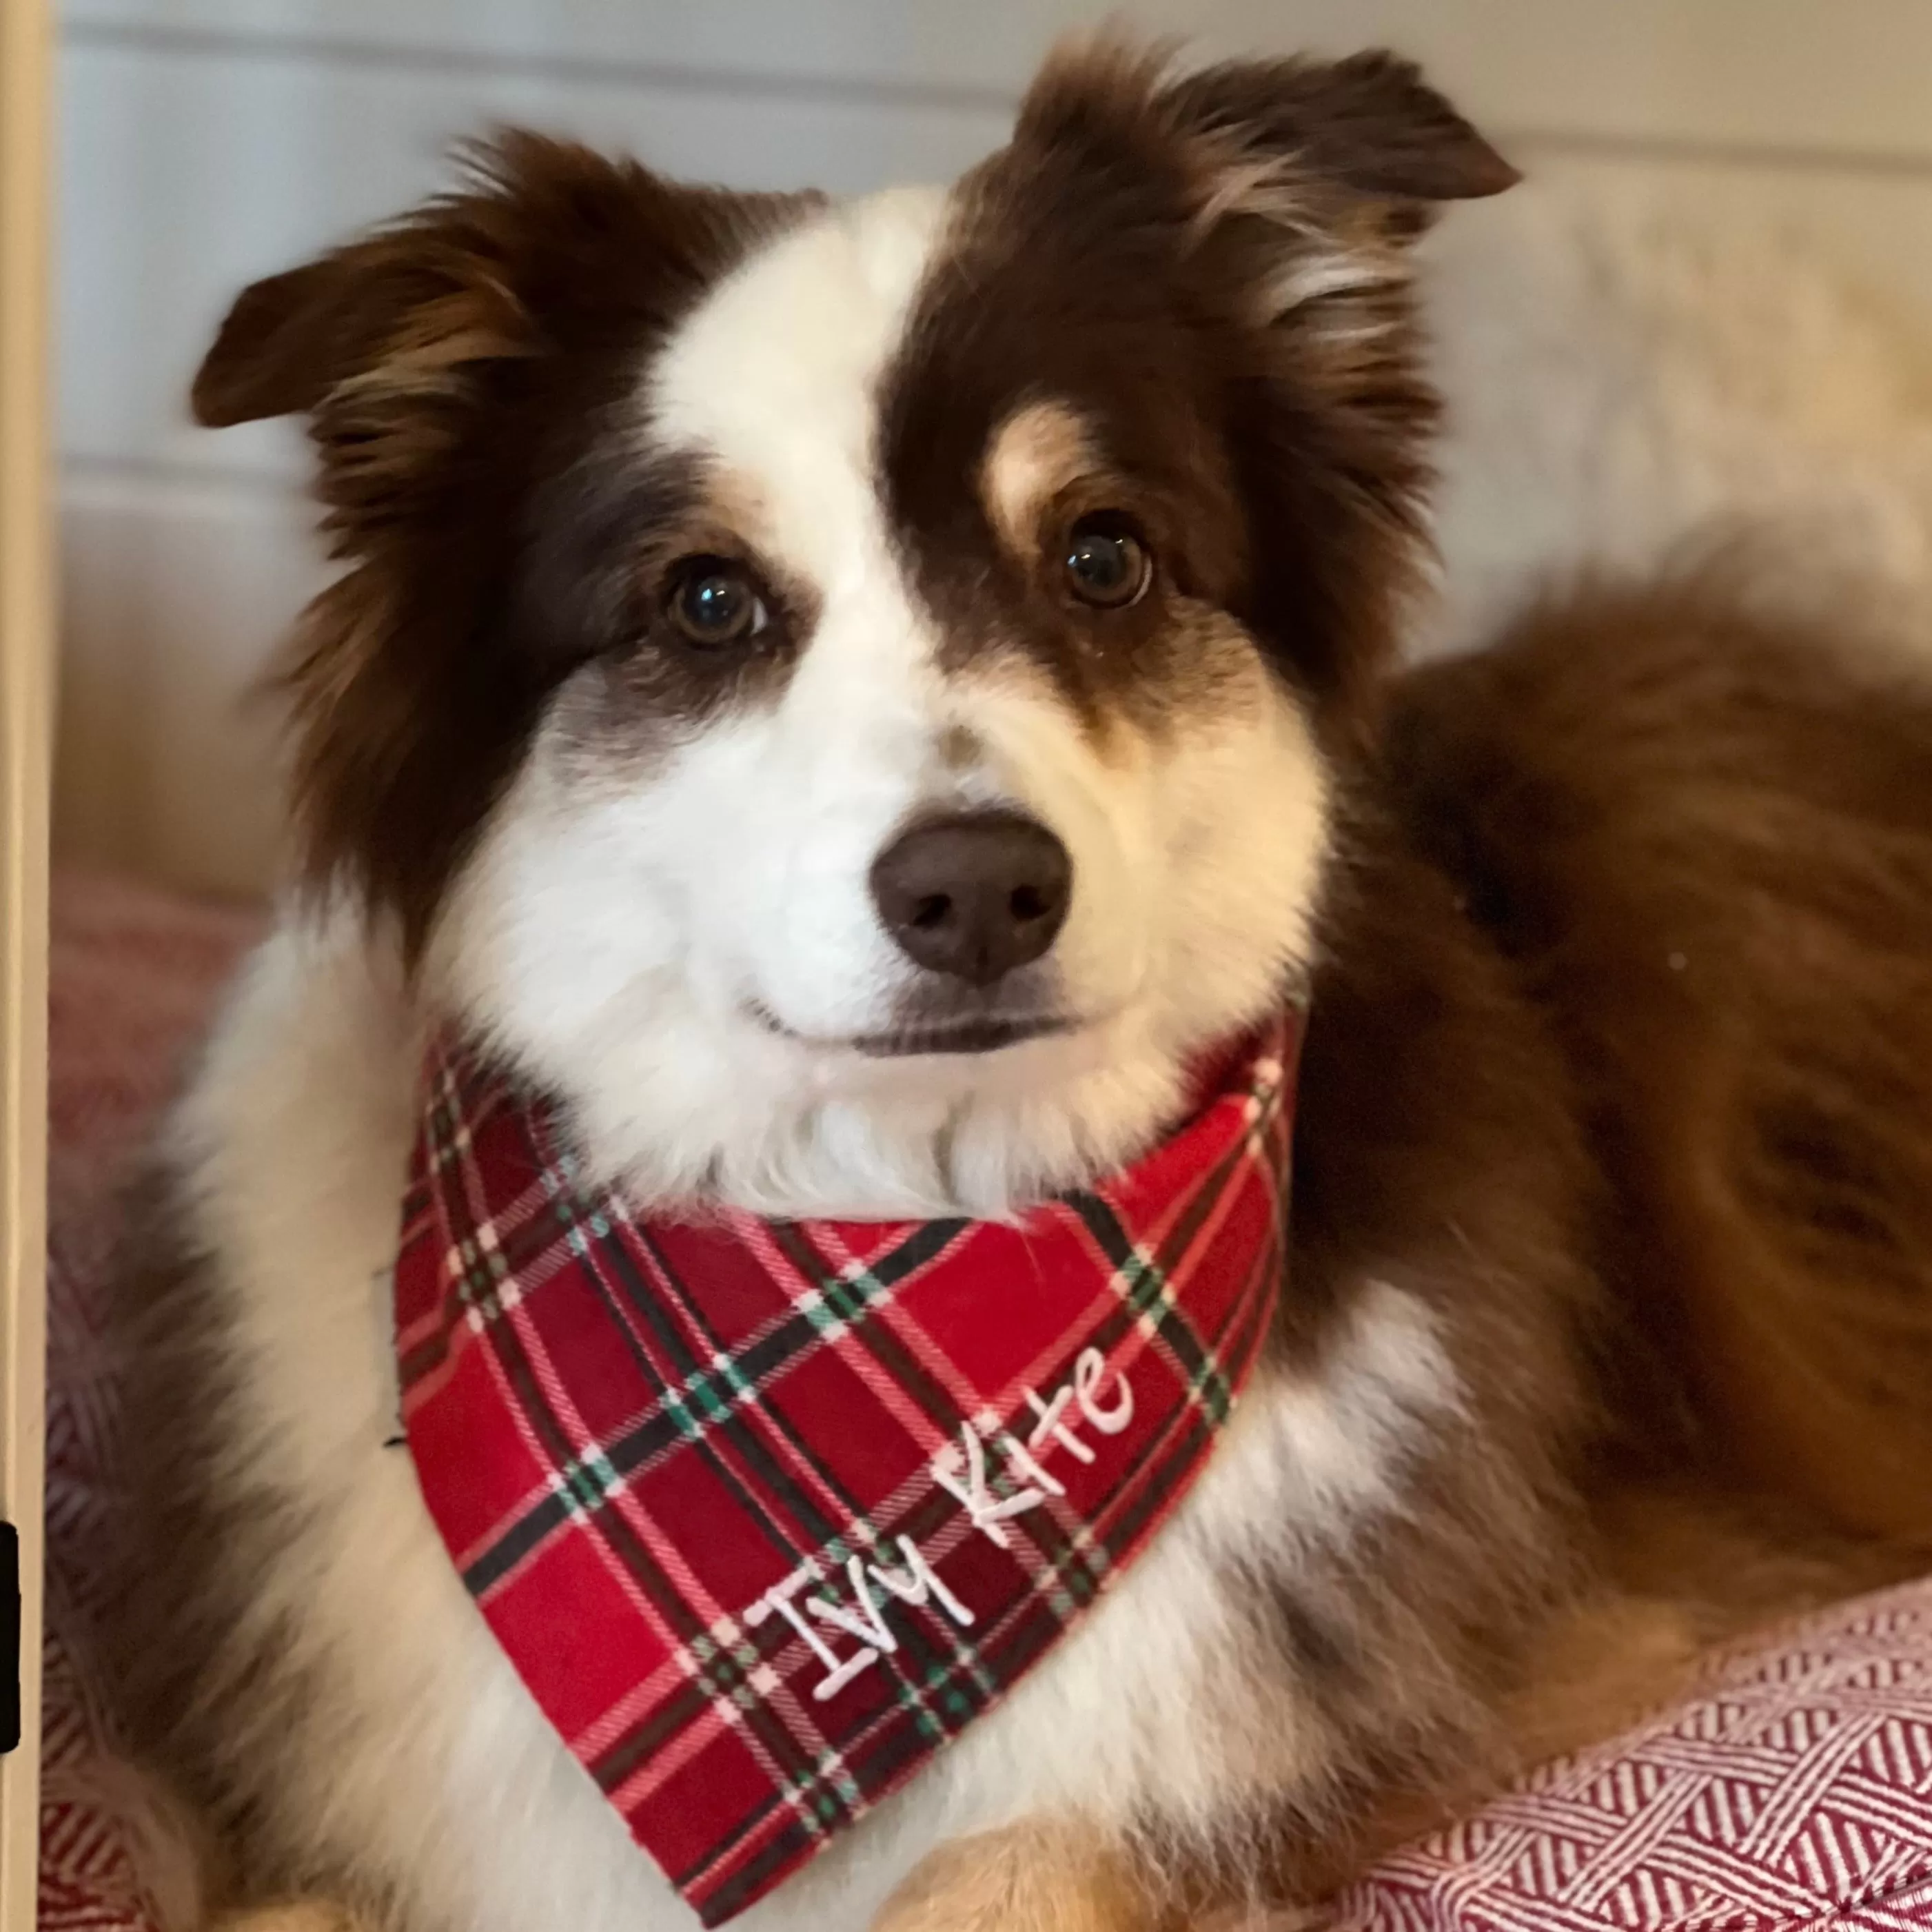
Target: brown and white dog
{"type": "Point", "coordinates": [697, 546]}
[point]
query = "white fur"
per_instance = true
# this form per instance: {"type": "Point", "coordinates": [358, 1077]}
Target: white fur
{"type": "Point", "coordinates": [620, 931]}
{"type": "Point", "coordinates": [427, 1765]}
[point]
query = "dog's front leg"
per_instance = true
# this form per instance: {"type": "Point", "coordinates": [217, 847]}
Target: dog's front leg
{"type": "Point", "coordinates": [300, 1914]}
{"type": "Point", "coordinates": [1039, 1876]}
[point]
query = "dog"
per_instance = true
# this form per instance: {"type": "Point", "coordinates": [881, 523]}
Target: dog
{"type": "Point", "coordinates": [857, 704]}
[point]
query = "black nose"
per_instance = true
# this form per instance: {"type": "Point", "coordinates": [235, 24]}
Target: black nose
{"type": "Point", "coordinates": [974, 896]}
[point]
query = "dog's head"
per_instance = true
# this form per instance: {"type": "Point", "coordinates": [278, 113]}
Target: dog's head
{"type": "Point", "coordinates": [848, 694]}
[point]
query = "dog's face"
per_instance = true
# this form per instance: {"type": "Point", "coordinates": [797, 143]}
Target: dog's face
{"type": "Point", "coordinates": [848, 694]}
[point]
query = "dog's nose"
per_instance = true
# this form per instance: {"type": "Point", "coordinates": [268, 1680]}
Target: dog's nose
{"type": "Point", "coordinates": [974, 895]}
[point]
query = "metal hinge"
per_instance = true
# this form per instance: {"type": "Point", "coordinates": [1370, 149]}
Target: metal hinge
{"type": "Point", "coordinates": [9, 1637]}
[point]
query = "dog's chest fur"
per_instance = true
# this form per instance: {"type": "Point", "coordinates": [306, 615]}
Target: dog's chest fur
{"type": "Point", "coordinates": [419, 1759]}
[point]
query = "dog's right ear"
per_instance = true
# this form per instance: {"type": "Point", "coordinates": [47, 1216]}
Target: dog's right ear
{"type": "Point", "coordinates": [289, 339]}
{"type": "Point", "coordinates": [432, 297]}
{"type": "Point", "coordinates": [397, 345]}
{"type": "Point", "coordinates": [448, 364]}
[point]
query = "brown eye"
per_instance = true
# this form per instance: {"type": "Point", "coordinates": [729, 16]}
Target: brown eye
{"type": "Point", "coordinates": [1106, 563]}
{"type": "Point", "coordinates": [714, 603]}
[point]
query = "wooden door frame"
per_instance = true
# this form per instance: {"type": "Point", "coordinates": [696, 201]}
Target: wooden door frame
{"type": "Point", "coordinates": [26, 689]}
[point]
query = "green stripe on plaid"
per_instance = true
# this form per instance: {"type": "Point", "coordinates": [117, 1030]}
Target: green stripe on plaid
{"type": "Point", "coordinates": [707, 1397]}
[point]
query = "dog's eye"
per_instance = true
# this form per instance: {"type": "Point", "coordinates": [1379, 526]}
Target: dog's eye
{"type": "Point", "coordinates": [713, 603]}
{"type": "Point", "coordinates": [1106, 563]}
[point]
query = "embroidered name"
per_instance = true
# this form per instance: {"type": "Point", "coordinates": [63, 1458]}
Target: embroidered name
{"type": "Point", "coordinates": [991, 1500]}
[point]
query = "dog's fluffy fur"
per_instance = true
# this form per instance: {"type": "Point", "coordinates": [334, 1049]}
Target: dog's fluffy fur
{"type": "Point", "coordinates": [1608, 1321]}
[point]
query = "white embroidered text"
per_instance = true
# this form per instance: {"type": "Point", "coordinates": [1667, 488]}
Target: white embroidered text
{"type": "Point", "coordinates": [992, 1495]}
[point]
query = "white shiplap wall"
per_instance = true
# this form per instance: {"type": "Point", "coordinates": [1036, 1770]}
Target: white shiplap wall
{"type": "Point", "coordinates": [207, 142]}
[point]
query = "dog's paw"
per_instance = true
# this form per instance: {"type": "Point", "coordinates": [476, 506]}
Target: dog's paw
{"type": "Point", "coordinates": [1031, 1878]}
{"type": "Point", "coordinates": [1266, 1919]}
{"type": "Point", "coordinates": [298, 1914]}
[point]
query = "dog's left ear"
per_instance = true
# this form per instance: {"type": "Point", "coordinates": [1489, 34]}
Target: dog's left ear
{"type": "Point", "coordinates": [1369, 125]}
{"type": "Point", "coordinates": [1313, 176]}
{"type": "Point", "coordinates": [1274, 202]}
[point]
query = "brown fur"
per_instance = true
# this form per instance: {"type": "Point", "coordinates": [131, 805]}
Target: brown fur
{"type": "Point", "coordinates": [181, 1682]}
{"type": "Point", "coordinates": [1435, 1149]}
{"type": "Point", "coordinates": [1562, 1139]}
{"type": "Point", "coordinates": [1705, 838]}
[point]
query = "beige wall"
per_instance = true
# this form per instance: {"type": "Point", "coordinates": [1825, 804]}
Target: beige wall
{"type": "Point", "coordinates": [205, 141]}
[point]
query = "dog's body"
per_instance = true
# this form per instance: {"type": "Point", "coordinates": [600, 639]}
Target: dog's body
{"type": "Point", "coordinates": [1083, 499]}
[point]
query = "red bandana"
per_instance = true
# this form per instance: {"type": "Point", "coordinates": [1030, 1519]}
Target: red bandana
{"type": "Point", "coordinates": [765, 1512]}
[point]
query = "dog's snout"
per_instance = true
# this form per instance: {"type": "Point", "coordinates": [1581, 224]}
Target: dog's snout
{"type": "Point", "coordinates": [974, 896]}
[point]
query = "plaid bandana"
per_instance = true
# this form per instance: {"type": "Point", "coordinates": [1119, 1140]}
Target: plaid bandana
{"type": "Point", "coordinates": [765, 1512]}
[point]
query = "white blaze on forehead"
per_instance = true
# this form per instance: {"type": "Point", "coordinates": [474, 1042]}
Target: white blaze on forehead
{"type": "Point", "coordinates": [776, 377]}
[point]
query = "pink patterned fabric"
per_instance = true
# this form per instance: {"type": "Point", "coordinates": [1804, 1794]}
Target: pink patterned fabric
{"type": "Point", "coordinates": [1794, 1791]}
